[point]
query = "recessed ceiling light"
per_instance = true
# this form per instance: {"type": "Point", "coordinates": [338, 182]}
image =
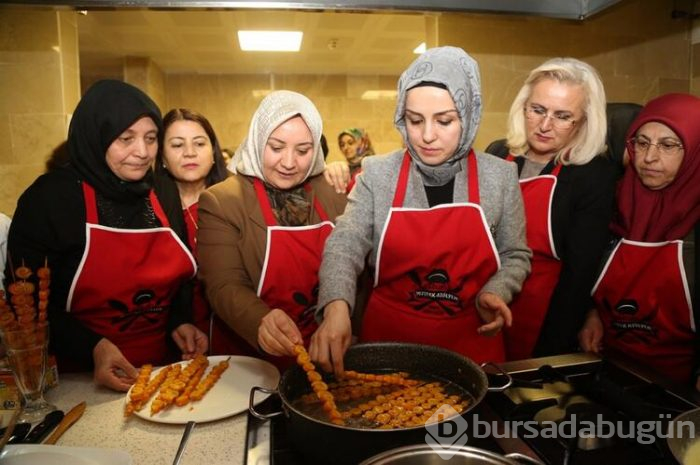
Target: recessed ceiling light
{"type": "Point", "coordinates": [270, 41]}
{"type": "Point", "coordinates": [420, 49]}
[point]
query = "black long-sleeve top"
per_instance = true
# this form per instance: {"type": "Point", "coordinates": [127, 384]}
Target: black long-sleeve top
{"type": "Point", "coordinates": [49, 224]}
{"type": "Point", "coordinates": [582, 207]}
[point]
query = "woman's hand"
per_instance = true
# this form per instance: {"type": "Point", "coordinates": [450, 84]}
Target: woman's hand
{"type": "Point", "coordinates": [191, 340]}
{"type": "Point", "coordinates": [112, 369]}
{"type": "Point", "coordinates": [494, 312]}
{"type": "Point", "coordinates": [278, 334]}
{"type": "Point", "coordinates": [332, 338]}
{"type": "Point", "coordinates": [590, 338]}
{"type": "Point", "coordinates": [337, 174]}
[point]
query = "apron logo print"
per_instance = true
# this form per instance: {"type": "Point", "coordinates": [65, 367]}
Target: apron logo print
{"type": "Point", "coordinates": [627, 320]}
{"type": "Point", "coordinates": [143, 305]}
{"type": "Point", "coordinates": [308, 315]}
{"type": "Point", "coordinates": [434, 289]}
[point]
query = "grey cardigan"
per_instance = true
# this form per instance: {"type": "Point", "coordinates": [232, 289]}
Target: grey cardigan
{"type": "Point", "coordinates": [359, 229]}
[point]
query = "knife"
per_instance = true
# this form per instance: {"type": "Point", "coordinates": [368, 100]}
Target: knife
{"type": "Point", "coordinates": [71, 417]}
{"type": "Point", "coordinates": [40, 431]}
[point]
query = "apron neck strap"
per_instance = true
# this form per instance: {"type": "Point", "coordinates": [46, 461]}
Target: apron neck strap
{"type": "Point", "coordinates": [554, 171]}
{"type": "Point", "coordinates": [90, 203]}
{"type": "Point", "coordinates": [266, 208]}
{"type": "Point", "coordinates": [91, 215]}
{"type": "Point", "coordinates": [472, 180]}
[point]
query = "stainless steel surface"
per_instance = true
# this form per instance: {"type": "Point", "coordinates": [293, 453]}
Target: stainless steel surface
{"type": "Point", "coordinates": [556, 361]}
{"type": "Point", "coordinates": [183, 442]}
{"type": "Point", "coordinates": [258, 443]}
{"type": "Point", "coordinates": [569, 9]}
{"type": "Point", "coordinates": [679, 443]}
{"type": "Point", "coordinates": [426, 455]}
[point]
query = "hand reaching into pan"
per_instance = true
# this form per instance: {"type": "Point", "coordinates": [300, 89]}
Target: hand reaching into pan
{"type": "Point", "coordinates": [332, 338]}
{"type": "Point", "coordinates": [278, 334]}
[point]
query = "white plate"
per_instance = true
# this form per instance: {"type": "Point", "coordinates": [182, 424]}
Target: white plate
{"type": "Point", "coordinates": [229, 396]}
{"type": "Point", "coordinates": [33, 454]}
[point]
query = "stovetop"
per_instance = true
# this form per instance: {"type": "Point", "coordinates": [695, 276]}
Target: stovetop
{"type": "Point", "coordinates": [576, 388]}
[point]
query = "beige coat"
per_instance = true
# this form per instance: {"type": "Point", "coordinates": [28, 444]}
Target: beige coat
{"type": "Point", "coordinates": [231, 243]}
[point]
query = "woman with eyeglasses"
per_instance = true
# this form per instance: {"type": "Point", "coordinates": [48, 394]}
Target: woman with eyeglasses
{"type": "Point", "coordinates": [556, 132]}
{"type": "Point", "coordinates": [442, 225]}
{"type": "Point", "coordinates": [644, 295]}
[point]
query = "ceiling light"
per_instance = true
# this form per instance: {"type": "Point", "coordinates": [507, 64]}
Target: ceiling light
{"type": "Point", "coordinates": [420, 49]}
{"type": "Point", "coordinates": [270, 41]}
{"type": "Point", "coordinates": [379, 95]}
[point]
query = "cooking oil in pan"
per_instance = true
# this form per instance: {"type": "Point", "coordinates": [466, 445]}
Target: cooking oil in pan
{"type": "Point", "coordinates": [377, 404]}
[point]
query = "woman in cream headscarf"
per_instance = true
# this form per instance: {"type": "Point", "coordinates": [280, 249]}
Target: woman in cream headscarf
{"type": "Point", "coordinates": [261, 232]}
{"type": "Point", "coordinates": [443, 227]}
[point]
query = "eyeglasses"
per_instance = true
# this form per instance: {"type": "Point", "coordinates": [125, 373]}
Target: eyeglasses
{"type": "Point", "coordinates": [559, 120]}
{"type": "Point", "coordinates": [664, 146]}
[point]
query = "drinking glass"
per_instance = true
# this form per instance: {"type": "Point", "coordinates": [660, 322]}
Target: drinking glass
{"type": "Point", "coordinates": [27, 353]}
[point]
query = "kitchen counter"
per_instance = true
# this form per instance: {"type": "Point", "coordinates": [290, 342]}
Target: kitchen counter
{"type": "Point", "coordinates": [103, 425]}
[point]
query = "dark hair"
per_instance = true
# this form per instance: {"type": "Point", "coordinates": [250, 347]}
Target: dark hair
{"type": "Point", "coordinates": [324, 146]}
{"type": "Point", "coordinates": [218, 171]}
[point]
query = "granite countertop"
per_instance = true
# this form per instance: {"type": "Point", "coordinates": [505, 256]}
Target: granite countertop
{"type": "Point", "coordinates": [103, 425]}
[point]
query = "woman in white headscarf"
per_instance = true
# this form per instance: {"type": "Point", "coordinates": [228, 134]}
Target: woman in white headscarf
{"type": "Point", "coordinates": [261, 232]}
{"type": "Point", "coordinates": [443, 227]}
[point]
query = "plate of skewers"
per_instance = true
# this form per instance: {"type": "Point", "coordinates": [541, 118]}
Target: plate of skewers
{"type": "Point", "coordinates": [203, 389]}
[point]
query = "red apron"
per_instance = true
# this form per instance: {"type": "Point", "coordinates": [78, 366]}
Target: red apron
{"type": "Point", "coordinates": [125, 281]}
{"type": "Point", "coordinates": [289, 278]}
{"type": "Point", "coordinates": [530, 306]}
{"type": "Point", "coordinates": [431, 265]}
{"type": "Point", "coordinates": [643, 299]}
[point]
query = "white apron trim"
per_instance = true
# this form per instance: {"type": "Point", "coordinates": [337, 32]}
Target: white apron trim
{"type": "Point", "coordinates": [263, 273]}
{"type": "Point", "coordinates": [484, 224]}
{"type": "Point", "coordinates": [83, 259]}
{"type": "Point", "coordinates": [549, 209]}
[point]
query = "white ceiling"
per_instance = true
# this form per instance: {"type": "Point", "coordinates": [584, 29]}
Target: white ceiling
{"type": "Point", "coordinates": [206, 42]}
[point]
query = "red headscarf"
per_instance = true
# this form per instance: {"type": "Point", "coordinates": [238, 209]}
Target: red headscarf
{"type": "Point", "coordinates": [670, 213]}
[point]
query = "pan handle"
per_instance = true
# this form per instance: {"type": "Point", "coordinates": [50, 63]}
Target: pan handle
{"type": "Point", "coordinates": [251, 403]}
{"type": "Point", "coordinates": [501, 371]}
{"type": "Point", "coordinates": [522, 458]}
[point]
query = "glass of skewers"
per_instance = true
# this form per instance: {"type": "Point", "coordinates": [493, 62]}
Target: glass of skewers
{"type": "Point", "coordinates": [27, 353]}
{"type": "Point", "coordinates": [25, 334]}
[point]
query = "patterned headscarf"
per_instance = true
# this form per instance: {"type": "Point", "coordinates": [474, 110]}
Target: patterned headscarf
{"type": "Point", "coordinates": [459, 73]}
{"type": "Point", "coordinates": [364, 145]}
{"type": "Point", "coordinates": [275, 109]}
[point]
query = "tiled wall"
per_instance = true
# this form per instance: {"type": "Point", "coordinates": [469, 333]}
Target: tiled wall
{"type": "Point", "coordinates": [39, 88]}
{"type": "Point", "coordinates": [229, 103]}
{"type": "Point", "coordinates": [638, 48]}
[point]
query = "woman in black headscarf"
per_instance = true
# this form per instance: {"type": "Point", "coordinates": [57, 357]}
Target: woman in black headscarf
{"type": "Point", "coordinates": [119, 272]}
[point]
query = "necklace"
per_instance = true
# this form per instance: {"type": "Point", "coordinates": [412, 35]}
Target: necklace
{"type": "Point", "coordinates": [189, 213]}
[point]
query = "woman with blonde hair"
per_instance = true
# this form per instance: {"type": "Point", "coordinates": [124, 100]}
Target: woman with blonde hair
{"type": "Point", "coordinates": [556, 133]}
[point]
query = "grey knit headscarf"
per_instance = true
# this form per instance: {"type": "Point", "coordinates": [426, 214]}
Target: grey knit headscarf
{"type": "Point", "coordinates": [275, 109]}
{"type": "Point", "coordinates": [453, 68]}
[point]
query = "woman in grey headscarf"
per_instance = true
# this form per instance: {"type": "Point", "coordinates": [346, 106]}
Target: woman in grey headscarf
{"type": "Point", "coordinates": [262, 231]}
{"type": "Point", "coordinates": [443, 227]}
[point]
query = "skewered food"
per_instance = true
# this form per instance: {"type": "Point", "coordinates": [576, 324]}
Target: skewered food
{"type": "Point", "coordinates": [378, 400]}
{"type": "Point", "coordinates": [178, 384]}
